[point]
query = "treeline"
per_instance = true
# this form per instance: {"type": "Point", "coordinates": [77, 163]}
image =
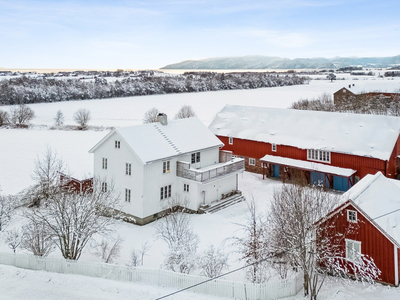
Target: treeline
{"type": "Point", "coordinates": [368, 104]}
{"type": "Point", "coordinates": [34, 90]}
{"type": "Point", "coordinates": [392, 74]}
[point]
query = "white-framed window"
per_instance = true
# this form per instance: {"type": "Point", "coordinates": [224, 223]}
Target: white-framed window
{"type": "Point", "coordinates": [128, 195]}
{"type": "Point", "coordinates": [252, 161]}
{"type": "Point", "coordinates": [165, 192]}
{"type": "Point", "coordinates": [166, 166]}
{"type": "Point", "coordinates": [195, 157]}
{"type": "Point", "coordinates": [352, 216]}
{"type": "Point", "coordinates": [273, 147]}
{"type": "Point", "coordinates": [185, 187]}
{"type": "Point", "coordinates": [128, 169]}
{"type": "Point", "coordinates": [353, 250]}
{"type": "Point", "coordinates": [104, 187]}
{"type": "Point", "coordinates": [104, 163]}
{"type": "Point", "coordinates": [319, 155]}
{"type": "Point", "coordinates": [117, 144]}
{"type": "Point", "coordinates": [230, 140]}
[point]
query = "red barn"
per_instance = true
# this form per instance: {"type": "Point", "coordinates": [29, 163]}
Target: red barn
{"type": "Point", "coordinates": [374, 206]}
{"type": "Point", "coordinates": [335, 149]}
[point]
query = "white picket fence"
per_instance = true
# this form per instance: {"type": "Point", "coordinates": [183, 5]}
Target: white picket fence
{"type": "Point", "coordinates": [217, 287]}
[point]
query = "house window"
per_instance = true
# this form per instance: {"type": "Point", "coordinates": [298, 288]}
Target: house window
{"type": "Point", "coordinates": [166, 165]}
{"type": "Point", "coordinates": [252, 161]}
{"type": "Point", "coordinates": [104, 164]}
{"type": "Point", "coordinates": [195, 157]}
{"type": "Point", "coordinates": [273, 146]}
{"type": "Point", "coordinates": [165, 192]}
{"type": "Point", "coordinates": [117, 144]}
{"type": "Point", "coordinates": [127, 195]}
{"type": "Point", "coordinates": [230, 140]}
{"type": "Point", "coordinates": [352, 216]}
{"type": "Point", "coordinates": [185, 187]}
{"type": "Point", "coordinates": [128, 169]}
{"type": "Point", "coordinates": [319, 155]}
{"type": "Point", "coordinates": [353, 250]}
{"type": "Point", "coordinates": [104, 187]}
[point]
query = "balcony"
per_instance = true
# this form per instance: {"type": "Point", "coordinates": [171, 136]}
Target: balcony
{"type": "Point", "coordinates": [209, 173]}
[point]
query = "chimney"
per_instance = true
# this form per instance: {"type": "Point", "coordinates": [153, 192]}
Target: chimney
{"type": "Point", "coordinates": [162, 118]}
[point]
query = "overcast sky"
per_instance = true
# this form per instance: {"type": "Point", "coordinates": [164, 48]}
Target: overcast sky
{"type": "Point", "coordinates": [110, 34]}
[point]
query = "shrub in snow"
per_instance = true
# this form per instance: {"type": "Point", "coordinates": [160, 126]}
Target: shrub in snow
{"type": "Point", "coordinates": [59, 119]}
{"type": "Point", "coordinates": [7, 206]}
{"type": "Point", "coordinates": [186, 111]}
{"type": "Point", "coordinates": [82, 117]}
{"type": "Point", "coordinates": [21, 114]}
{"type": "Point", "coordinates": [109, 250]}
{"type": "Point", "coordinates": [37, 238]}
{"type": "Point", "coordinates": [213, 261]}
{"type": "Point", "coordinates": [13, 239]}
{"type": "Point", "coordinates": [4, 117]}
{"type": "Point", "coordinates": [150, 116]}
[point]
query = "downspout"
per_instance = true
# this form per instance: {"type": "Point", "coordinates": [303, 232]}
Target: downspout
{"type": "Point", "coordinates": [396, 266]}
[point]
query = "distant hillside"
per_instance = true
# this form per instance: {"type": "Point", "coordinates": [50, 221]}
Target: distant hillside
{"type": "Point", "coordinates": [267, 62]}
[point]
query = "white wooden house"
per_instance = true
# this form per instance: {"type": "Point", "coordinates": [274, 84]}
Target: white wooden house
{"type": "Point", "coordinates": [151, 163]}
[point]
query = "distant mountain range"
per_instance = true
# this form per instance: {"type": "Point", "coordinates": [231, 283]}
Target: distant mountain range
{"type": "Point", "coordinates": [267, 62]}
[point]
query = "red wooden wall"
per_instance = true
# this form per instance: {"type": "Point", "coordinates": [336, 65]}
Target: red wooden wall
{"type": "Point", "coordinates": [373, 243]}
{"type": "Point", "coordinates": [363, 165]}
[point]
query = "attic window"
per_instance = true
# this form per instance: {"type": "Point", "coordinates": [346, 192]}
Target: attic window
{"type": "Point", "coordinates": [319, 155]}
{"type": "Point", "coordinates": [352, 216]}
{"type": "Point", "coordinates": [117, 144]}
{"type": "Point", "coordinates": [230, 140]}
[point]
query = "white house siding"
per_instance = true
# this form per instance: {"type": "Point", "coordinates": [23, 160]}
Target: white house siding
{"type": "Point", "coordinates": [214, 189]}
{"type": "Point", "coordinates": [115, 172]}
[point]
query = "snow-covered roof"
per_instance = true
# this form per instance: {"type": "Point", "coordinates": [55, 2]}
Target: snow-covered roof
{"type": "Point", "coordinates": [379, 197]}
{"type": "Point", "coordinates": [308, 165]}
{"type": "Point", "coordinates": [383, 86]}
{"type": "Point", "coordinates": [357, 134]}
{"type": "Point", "coordinates": [155, 141]}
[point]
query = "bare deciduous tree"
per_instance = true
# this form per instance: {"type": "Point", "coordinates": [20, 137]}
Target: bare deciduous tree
{"type": "Point", "coordinates": [316, 250]}
{"type": "Point", "coordinates": [7, 206]}
{"type": "Point", "coordinates": [82, 117]}
{"type": "Point", "coordinates": [48, 169]}
{"type": "Point", "coordinates": [252, 245]}
{"type": "Point", "coordinates": [21, 114]}
{"type": "Point", "coordinates": [186, 111]}
{"type": "Point", "coordinates": [36, 238]}
{"type": "Point", "coordinates": [150, 116]}
{"type": "Point", "coordinates": [4, 117]}
{"type": "Point", "coordinates": [213, 261]}
{"type": "Point", "coordinates": [75, 218]}
{"type": "Point", "coordinates": [13, 239]}
{"type": "Point", "coordinates": [176, 230]}
{"type": "Point", "coordinates": [109, 251]}
{"type": "Point", "coordinates": [137, 256]}
{"type": "Point", "coordinates": [59, 118]}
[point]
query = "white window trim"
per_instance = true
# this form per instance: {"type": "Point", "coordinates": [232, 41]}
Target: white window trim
{"type": "Point", "coordinates": [352, 243]}
{"type": "Point", "coordinates": [250, 160]}
{"type": "Point", "coordinates": [128, 169]}
{"type": "Point", "coordinates": [273, 147]}
{"type": "Point", "coordinates": [117, 144]}
{"type": "Point", "coordinates": [166, 166]}
{"type": "Point", "coordinates": [195, 157]}
{"type": "Point", "coordinates": [319, 155]}
{"type": "Point", "coordinates": [104, 187]}
{"type": "Point", "coordinates": [186, 187]}
{"type": "Point", "coordinates": [165, 192]}
{"type": "Point", "coordinates": [104, 163]}
{"type": "Point", "coordinates": [349, 211]}
{"type": "Point", "coordinates": [230, 140]}
{"type": "Point", "coordinates": [128, 195]}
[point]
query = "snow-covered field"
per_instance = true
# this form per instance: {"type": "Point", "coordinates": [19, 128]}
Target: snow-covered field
{"type": "Point", "coordinates": [19, 148]}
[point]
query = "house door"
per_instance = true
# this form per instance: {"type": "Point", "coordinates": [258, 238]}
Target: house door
{"type": "Point", "coordinates": [275, 171]}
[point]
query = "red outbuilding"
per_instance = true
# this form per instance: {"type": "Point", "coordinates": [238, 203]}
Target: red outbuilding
{"type": "Point", "coordinates": [333, 149]}
{"type": "Point", "coordinates": [372, 209]}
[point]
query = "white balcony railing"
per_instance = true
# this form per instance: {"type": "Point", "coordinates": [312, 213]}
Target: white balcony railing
{"type": "Point", "coordinates": [210, 172]}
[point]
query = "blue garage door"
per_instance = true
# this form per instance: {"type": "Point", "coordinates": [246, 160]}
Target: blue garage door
{"type": "Point", "coordinates": [275, 171]}
{"type": "Point", "coordinates": [317, 178]}
{"type": "Point", "coordinates": [340, 183]}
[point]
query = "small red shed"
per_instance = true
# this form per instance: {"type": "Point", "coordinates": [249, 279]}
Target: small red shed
{"type": "Point", "coordinates": [373, 204]}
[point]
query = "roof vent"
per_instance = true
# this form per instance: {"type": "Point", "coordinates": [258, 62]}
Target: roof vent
{"type": "Point", "coordinates": [162, 118]}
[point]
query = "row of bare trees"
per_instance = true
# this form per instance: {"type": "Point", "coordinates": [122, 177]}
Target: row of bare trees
{"type": "Point", "coordinates": [362, 104]}
{"type": "Point", "coordinates": [186, 111]}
